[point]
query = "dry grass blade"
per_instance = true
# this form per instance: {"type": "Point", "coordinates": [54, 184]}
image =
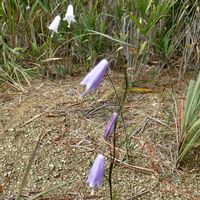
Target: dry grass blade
{"type": "Point", "coordinates": [29, 167]}
{"type": "Point", "coordinates": [48, 190]}
{"type": "Point", "coordinates": [111, 38]}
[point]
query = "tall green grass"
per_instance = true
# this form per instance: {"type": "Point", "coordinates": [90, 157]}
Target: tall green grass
{"type": "Point", "coordinates": [165, 28]}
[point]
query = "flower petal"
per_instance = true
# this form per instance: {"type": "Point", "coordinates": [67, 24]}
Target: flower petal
{"type": "Point", "coordinates": [95, 178]}
{"type": "Point", "coordinates": [69, 16]}
{"type": "Point", "coordinates": [55, 24]}
{"type": "Point", "coordinates": [70, 10]}
{"type": "Point", "coordinates": [94, 77]}
{"type": "Point", "coordinates": [110, 126]}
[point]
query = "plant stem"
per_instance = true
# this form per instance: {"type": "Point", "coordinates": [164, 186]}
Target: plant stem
{"type": "Point", "coordinates": [114, 88]}
{"type": "Point", "coordinates": [121, 105]}
{"type": "Point", "coordinates": [112, 163]}
{"type": "Point", "coordinates": [120, 111]}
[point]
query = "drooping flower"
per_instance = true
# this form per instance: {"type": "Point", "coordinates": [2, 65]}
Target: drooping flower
{"type": "Point", "coordinates": [94, 77]}
{"type": "Point", "coordinates": [95, 178]}
{"type": "Point", "coordinates": [28, 7]}
{"type": "Point", "coordinates": [110, 126]}
{"type": "Point", "coordinates": [55, 24]}
{"type": "Point", "coordinates": [69, 16]}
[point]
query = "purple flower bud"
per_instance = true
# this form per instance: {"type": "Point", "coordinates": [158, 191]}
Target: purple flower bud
{"type": "Point", "coordinates": [95, 178]}
{"type": "Point", "coordinates": [110, 126]}
{"type": "Point", "coordinates": [94, 77]}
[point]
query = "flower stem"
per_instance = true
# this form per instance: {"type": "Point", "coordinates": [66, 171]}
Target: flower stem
{"type": "Point", "coordinates": [120, 111]}
{"type": "Point", "coordinates": [121, 105]}
{"type": "Point", "coordinates": [112, 163]}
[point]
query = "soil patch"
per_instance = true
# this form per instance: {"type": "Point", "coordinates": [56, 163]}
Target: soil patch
{"type": "Point", "coordinates": [72, 131]}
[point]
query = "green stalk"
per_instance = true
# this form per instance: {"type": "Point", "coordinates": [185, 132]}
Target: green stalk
{"type": "Point", "coordinates": [120, 111]}
{"type": "Point", "coordinates": [112, 164]}
{"type": "Point", "coordinates": [121, 105]}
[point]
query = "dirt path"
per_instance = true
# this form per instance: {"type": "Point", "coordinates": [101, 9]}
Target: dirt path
{"type": "Point", "coordinates": [72, 131]}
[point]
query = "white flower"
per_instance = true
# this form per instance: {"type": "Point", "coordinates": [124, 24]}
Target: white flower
{"type": "Point", "coordinates": [69, 16]}
{"type": "Point", "coordinates": [28, 7]}
{"type": "Point", "coordinates": [54, 24]}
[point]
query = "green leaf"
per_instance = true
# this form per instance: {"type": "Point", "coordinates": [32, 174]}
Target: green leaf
{"type": "Point", "coordinates": [44, 5]}
{"type": "Point", "coordinates": [190, 130]}
{"type": "Point", "coordinates": [142, 48]}
{"type": "Point", "coordinates": [137, 23]}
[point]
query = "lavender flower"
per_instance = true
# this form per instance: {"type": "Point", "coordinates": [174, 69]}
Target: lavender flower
{"type": "Point", "coordinates": [94, 77]}
{"type": "Point", "coordinates": [69, 16]}
{"type": "Point", "coordinates": [110, 126]}
{"type": "Point", "coordinates": [95, 178]}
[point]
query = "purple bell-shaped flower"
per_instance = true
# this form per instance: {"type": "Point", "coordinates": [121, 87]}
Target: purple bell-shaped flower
{"type": "Point", "coordinates": [95, 178]}
{"type": "Point", "coordinates": [110, 126]}
{"type": "Point", "coordinates": [94, 77]}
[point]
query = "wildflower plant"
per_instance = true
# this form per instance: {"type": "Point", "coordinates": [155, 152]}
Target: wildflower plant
{"type": "Point", "coordinates": [92, 80]}
{"type": "Point", "coordinates": [140, 21]}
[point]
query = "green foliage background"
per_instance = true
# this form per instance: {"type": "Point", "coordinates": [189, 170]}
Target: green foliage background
{"type": "Point", "coordinates": [161, 29]}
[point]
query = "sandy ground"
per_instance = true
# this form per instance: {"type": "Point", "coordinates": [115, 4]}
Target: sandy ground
{"type": "Point", "coordinates": [72, 131]}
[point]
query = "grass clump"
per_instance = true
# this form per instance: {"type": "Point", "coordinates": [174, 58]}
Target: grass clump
{"type": "Point", "coordinates": [155, 29]}
{"type": "Point", "coordinates": [190, 132]}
